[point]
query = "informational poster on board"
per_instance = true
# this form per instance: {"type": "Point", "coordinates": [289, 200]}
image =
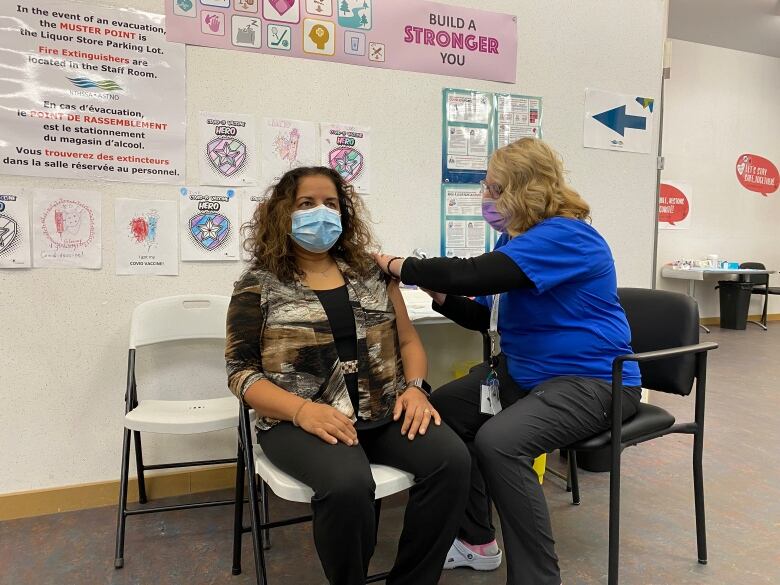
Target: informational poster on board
{"type": "Point", "coordinates": [465, 238]}
{"type": "Point", "coordinates": [467, 135]}
{"type": "Point", "coordinates": [517, 116]}
{"type": "Point", "coordinates": [14, 229]}
{"type": "Point", "coordinates": [462, 201]}
{"type": "Point", "coordinates": [67, 229]}
{"type": "Point", "coordinates": [464, 233]}
{"type": "Point", "coordinates": [287, 144]}
{"type": "Point", "coordinates": [347, 150]}
{"type": "Point", "coordinates": [227, 151]}
{"type": "Point", "coordinates": [475, 123]}
{"type": "Point", "coordinates": [408, 35]}
{"type": "Point", "coordinates": [675, 205]}
{"type": "Point", "coordinates": [146, 237]}
{"type": "Point", "coordinates": [616, 121]}
{"type": "Point", "coordinates": [88, 92]}
{"type": "Point", "coordinates": [209, 224]}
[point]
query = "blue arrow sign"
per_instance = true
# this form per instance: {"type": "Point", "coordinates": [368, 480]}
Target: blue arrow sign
{"type": "Point", "coordinates": [616, 119]}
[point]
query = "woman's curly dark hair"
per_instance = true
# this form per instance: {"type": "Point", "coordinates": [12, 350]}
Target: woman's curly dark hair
{"type": "Point", "coordinates": [267, 234]}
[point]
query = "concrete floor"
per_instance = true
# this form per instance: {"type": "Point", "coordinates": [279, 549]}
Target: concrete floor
{"type": "Point", "coordinates": [742, 479]}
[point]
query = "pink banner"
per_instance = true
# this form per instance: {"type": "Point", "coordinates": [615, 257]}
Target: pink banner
{"type": "Point", "coordinates": [409, 35]}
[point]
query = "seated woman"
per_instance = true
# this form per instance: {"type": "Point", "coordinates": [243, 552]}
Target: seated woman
{"type": "Point", "coordinates": [319, 343]}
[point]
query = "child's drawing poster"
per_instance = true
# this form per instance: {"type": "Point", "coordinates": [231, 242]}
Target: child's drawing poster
{"type": "Point", "coordinates": [347, 150]}
{"type": "Point", "coordinates": [14, 230]}
{"type": "Point", "coordinates": [250, 199]}
{"type": "Point", "coordinates": [209, 224]}
{"type": "Point", "coordinates": [227, 149]}
{"type": "Point", "coordinates": [146, 237]}
{"type": "Point", "coordinates": [66, 229]}
{"type": "Point", "coordinates": [287, 144]}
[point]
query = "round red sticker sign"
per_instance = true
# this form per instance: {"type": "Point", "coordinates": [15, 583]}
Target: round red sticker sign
{"type": "Point", "coordinates": [757, 174]}
{"type": "Point", "coordinates": [673, 205]}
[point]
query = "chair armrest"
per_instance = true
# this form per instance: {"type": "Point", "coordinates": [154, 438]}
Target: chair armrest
{"type": "Point", "coordinates": [645, 356]}
{"type": "Point", "coordinates": [659, 354]}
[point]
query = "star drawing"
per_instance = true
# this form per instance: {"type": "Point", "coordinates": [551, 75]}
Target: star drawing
{"type": "Point", "coordinates": [210, 230]}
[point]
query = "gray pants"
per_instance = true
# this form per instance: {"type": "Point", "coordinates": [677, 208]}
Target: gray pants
{"type": "Point", "coordinates": [552, 415]}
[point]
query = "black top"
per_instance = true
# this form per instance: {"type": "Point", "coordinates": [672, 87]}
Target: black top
{"type": "Point", "coordinates": [342, 323]}
{"type": "Point", "coordinates": [488, 274]}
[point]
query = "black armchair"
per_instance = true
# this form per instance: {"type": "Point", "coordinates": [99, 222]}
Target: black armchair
{"type": "Point", "coordinates": [665, 338]}
{"type": "Point", "coordinates": [761, 286]}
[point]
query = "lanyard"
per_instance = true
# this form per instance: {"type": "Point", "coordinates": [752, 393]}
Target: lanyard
{"type": "Point", "coordinates": [493, 331]}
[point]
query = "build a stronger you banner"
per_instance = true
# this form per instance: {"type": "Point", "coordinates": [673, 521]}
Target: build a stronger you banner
{"type": "Point", "coordinates": [409, 35]}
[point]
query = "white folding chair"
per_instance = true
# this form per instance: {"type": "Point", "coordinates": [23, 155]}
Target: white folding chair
{"type": "Point", "coordinates": [388, 481]}
{"type": "Point", "coordinates": [168, 319]}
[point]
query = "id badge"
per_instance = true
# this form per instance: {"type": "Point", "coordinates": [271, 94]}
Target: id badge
{"type": "Point", "coordinates": [490, 400]}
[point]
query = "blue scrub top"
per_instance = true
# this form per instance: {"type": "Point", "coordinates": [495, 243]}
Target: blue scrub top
{"type": "Point", "coordinates": [571, 323]}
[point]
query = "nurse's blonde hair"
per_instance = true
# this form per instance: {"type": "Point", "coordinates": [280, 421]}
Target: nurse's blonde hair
{"type": "Point", "coordinates": [534, 188]}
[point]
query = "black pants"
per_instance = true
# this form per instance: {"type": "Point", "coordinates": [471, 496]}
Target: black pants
{"type": "Point", "coordinates": [343, 502]}
{"type": "Point", "coordinates": [555, 414]}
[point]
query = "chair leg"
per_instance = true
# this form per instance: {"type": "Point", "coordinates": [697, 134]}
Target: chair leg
{"type": "Point", "coordinates": [698, 492]}
{"type": "Point", "coordinates": [266, 515]}
{"type": "Point", "coordinates": [119, 557]}
{"type": "Point", "coordinates": [574, 478]}
{"type": "Point", "coordinates": [139, 465]}
{"type": "Point", "coordinates": [238, 518]}
{"type": "Point", "coordinates": [254, 513]}
{"type": "Point", "coordinates": [614, 519]}
{"type": "Point", "coordinates": [766, 303]}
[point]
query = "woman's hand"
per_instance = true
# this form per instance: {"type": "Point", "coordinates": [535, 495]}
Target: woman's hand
{"type": "Point", "coordinates": [437, 297]}
{"type": "Point", "coordinates": [418, 412]}
{"type": "Point", "coordinates": [384, 263]}
{"type": "Point", "coordinates": [327, 423]}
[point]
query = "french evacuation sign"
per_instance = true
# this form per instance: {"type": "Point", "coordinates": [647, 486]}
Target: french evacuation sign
{"type": "Point", "coordinates": [408, 35]}
{"type": "Point", "coordinates": [615, 121]}
{"type": "Point", "coordinates": [674, 206]}
{"type": "Point", "coordinates": [756, 173]}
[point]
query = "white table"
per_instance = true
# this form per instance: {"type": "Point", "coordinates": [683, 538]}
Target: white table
{"type": "Point", "coordinates": [418, 305]}
{"type": "Point", "coordinates": [694, 274]}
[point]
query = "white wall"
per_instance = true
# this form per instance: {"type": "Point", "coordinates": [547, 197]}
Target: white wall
{"type": "Point", "coordinates": [720, 104]}
{"type": "Point", "coordinates": [63, 367]}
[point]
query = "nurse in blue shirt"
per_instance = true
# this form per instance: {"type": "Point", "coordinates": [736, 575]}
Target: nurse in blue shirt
{"type": "Point", "coordinates": [552, 277]}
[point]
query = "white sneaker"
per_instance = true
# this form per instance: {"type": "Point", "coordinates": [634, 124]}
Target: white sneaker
{"type": "Point", "coordinates": [460, 555]}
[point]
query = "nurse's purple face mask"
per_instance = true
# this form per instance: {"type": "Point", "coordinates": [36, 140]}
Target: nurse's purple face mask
{"type": "Point", "coordinates": [490, 193]}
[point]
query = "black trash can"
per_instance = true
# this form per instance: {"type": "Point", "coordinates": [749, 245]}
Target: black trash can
{"type": "Point", "coordinates": [734, 303]}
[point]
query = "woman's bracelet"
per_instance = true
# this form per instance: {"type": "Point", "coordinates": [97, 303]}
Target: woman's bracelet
{"type": "Point", "coordinates": [297, 412]}
{"type": "Point", "coordinates": [393, 259]}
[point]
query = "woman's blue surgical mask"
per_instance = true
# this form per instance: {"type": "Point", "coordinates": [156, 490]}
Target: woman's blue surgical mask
{"type": "Point", "coordinates": [492, 216]}
{"type": "Point", "coordinates": [317, 229]}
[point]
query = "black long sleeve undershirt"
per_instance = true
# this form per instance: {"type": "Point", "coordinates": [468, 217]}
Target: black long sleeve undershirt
{"type": "Point", "coordinates": [465, 312]}
{"type": "Point", "coordinates": [488, 274]}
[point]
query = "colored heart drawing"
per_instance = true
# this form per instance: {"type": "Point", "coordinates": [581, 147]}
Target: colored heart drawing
{"type": "Point", "coordinates": [227, 155]}
{"type": "Point", "coordinates": [210, 230]}
{"type": "Point", "coordinates": [347, 162]}
{"type": "Point", "coordinates": [282, 6]}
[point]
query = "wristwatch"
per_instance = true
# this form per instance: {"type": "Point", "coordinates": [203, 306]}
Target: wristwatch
{"type": "Point", "coordinates": [420, 384]}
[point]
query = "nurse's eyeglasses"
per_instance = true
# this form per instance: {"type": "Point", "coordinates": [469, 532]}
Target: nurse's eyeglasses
{"type": "Point", "coordinates": [491, 190]}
